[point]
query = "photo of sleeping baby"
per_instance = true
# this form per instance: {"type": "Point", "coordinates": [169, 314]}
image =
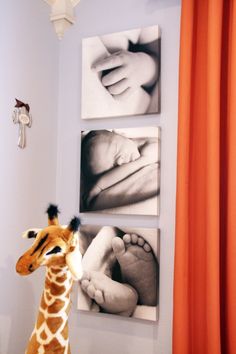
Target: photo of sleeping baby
{"type": "Point", "coordinates": [120, 171]}
{"type": "Point", "coordinates": [120, 271]}
{"type": "Point", "coordinates": [121, 73]}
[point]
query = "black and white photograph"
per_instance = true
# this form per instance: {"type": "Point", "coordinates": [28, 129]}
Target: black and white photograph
{"type": "Point", "coordinates": [120, 271]}
{"type": "Point", "coordinates": [121, 73]}
{"type": "Point", "coordinates": [120, 171]}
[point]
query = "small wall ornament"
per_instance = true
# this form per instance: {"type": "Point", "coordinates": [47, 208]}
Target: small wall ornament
{"type": "Point", "coordinates": [62, 14]}
{"type": "Point", "coordinates": [21, 115]}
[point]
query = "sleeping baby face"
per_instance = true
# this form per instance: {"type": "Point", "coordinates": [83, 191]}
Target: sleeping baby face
{"type": "Point", "coordinates": [109, 150]}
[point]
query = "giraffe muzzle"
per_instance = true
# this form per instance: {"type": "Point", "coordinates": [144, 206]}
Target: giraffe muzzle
{"type": "Point", "coordinates": [23, 267]}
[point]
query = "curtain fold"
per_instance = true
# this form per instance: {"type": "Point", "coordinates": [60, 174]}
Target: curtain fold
{"type": "Point", "coordinates": [205, 252]}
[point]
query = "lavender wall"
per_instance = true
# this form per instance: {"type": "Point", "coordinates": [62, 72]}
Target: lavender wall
{"type": "Point", "coordinates": [29, 71]}
{"type": "Point", "coordinates": [35, 68]}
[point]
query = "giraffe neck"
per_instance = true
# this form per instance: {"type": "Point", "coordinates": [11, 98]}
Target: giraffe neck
{"type": "Point", "coordinates": [51, 329]}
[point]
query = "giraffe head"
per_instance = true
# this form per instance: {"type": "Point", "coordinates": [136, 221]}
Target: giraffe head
{"type": "Point", "coordinates": [52, 246]}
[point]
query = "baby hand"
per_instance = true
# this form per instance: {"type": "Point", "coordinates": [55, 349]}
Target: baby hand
{"type": "Point", "coordinates": [150, 152]}
{"type": "Point", "coordinates": [127, 70]}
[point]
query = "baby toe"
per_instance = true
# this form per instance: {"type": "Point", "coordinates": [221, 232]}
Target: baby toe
{"type": "Point", "coordinates": [84, 284]}
{"type": "Point", "coordinates": [127, 238]}
{"type": "Point", "coordinates": [147, 247]}
{"type": "Point", "coordinates": [141, 242]}
{"type": "Point", "coordinates": [91, 291]}
{"type": "Point", "coordinates": [134, 239]}
{"type": "Point", "coordinates": [98, 297]}
{"type": "Point", "coordinates": [118, 246]}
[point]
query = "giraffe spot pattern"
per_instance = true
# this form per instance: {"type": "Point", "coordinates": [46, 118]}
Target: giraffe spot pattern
{"type": "Point", "coordinates": [65, 332]}
{"type": "Point", "coordinates": [43, 335]}
{"type": "Point", "coordinates": [33, 345]}
{"type": "Point", "coordinates": [61, 279]}
{"type": "Point", "coordinates": [48, 297]}
{"type": "Point", "coordinates": [56, 306]}
{"type": "Point", "coordinates": [54, 347]}
{"type": "Point", "coordinates": [43, 303]}
{"type": "Point", "coordinates": [40, 320]}
{"type": "Point", "coordinates": [55, 270]}
{"type": "Point", "coordinates": [54, 323]}
{"type": "Point", "coordinates": [47, 283]}
{"type": "Point", "coordinates": [52, 328]}
{"type": "Point", "coordinates": [57, 289]}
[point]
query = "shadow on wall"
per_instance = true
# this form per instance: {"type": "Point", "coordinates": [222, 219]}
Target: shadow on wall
{"type": "Point", "coordinates": [16, 310]}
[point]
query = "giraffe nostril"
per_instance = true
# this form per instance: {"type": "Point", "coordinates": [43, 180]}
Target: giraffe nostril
{"type": "Point", "coordinates": [30, 268]}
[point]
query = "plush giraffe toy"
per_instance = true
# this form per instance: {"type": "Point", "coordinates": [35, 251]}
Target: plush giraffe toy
{"type": "Point", "coordinates": [57, 248]}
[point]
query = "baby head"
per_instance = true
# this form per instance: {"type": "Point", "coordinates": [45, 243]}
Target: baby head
{"type": "Point", "coordinates": [102, 150]}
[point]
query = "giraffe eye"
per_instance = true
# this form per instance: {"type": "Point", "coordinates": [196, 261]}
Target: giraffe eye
{"type": "Point", "coordinates": [32, 234]}
{"type": "Point", "coordinates": [56, 249]}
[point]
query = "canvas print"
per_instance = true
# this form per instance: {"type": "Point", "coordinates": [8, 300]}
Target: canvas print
{"type": "Point", "coordinates": [120, 171]}
{"type": "Point", "coordinates": [121, 73]}
{"type": "Point", "coordinates": [121, 271]}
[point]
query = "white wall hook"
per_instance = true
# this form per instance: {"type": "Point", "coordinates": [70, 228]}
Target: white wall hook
{"type": "Point", "coordinates": [62, 14]}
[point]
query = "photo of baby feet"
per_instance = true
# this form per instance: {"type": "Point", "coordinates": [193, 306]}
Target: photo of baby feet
{"type": "Point", "coordinates": [138, 266]}
{"type": "Point", "coordinates": [135, 252]}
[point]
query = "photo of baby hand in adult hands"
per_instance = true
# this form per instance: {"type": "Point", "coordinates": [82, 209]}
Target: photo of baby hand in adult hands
{"type": "Point", "coordinates": [149, 152]}
{"type": "Point", "coordinates": [126, 71]}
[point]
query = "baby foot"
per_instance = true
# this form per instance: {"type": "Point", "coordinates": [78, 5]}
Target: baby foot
{"type": "Point", "coordinates": [99, 256]}
{"type": "Point", "coordinates": [138, 266]}
{"type": "Point", "coordinates": [111, 296]}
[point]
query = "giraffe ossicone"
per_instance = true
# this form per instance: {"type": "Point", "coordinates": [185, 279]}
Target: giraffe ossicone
{"type": "Point", "coordinates": [57, 248]}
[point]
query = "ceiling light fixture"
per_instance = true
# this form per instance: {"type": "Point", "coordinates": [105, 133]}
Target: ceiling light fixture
{"type": "Point", "coordinates": [62, 14]}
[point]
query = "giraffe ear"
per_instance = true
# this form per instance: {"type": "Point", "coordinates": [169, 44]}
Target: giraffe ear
{"type": "Point", "coordinates": [74, 257]}
{"type": "Point", "coordinates": [74, 262]}
{"type": "Point", "coordinates": [31, 233]}
{"type": "Point", "coordinates": [72, 227]}
{"type": "Point", "coordinates": [52, 212]}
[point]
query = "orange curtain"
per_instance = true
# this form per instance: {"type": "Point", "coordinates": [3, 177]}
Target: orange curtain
{"type": "Point", "coordinates": [205, 253]}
